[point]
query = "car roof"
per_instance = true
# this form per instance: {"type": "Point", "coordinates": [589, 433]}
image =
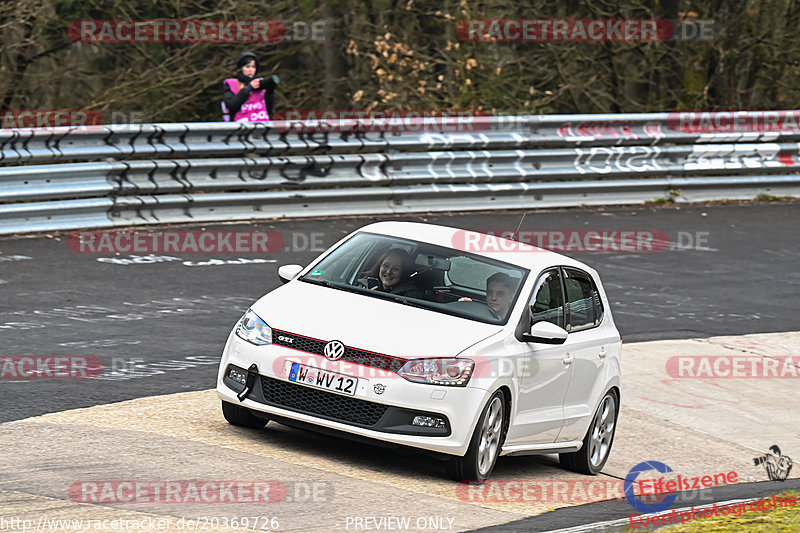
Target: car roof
{"type": "Point", "coordinates": [523, 255]}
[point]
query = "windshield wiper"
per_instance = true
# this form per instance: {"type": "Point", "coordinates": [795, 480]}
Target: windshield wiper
{"type": "Point", "coordinates": [360, 290]}
{"type": "Point", "coordinates": [327, 283]}
{"type": "Point", "coordinates": [323, 282]}
{"type": "Point", "coordinates": [403, 300]}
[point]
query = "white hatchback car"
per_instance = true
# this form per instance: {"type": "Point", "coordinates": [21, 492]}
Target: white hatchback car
{"type": "Point", "coordinates": [400, 333]}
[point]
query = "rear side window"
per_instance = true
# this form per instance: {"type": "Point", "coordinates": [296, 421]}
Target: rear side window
{"type": "Point", "coordinates": [583, 300]}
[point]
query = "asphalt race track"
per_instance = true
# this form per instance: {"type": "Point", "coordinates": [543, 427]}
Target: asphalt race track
{"type": "Point", "coordinates": [56, 302]}
{"type": "Point", "coordinates": [157, 325]}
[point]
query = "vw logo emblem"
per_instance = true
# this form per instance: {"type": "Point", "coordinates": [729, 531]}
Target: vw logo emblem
{"type": "Point", "coordinates": [334, 350]}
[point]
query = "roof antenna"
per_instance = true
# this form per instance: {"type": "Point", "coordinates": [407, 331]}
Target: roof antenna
{"type": "Point", "coordinates": [515, 236]}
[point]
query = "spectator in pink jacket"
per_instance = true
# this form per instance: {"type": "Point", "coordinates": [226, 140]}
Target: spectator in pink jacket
{"type": "Point", "coordinates": [246, 97]}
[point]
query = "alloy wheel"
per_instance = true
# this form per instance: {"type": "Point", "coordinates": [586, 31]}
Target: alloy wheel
{"type": "Point", "coordinates": [602, 430]}
{"type": "Point", "coordinates": [491, 431]}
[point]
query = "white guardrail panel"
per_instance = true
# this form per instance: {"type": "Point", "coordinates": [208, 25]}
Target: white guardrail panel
{"type": "Point", "coordinates": [105, 176]}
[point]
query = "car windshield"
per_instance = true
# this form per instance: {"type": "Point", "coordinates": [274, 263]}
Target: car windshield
{"type": "Point", "coordinates": [423, 275]}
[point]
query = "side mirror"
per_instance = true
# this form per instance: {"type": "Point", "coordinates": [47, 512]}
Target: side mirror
{"type": "Point", "coordinates": [289, 272]}
{"type": "Point", "coordinates": [546, 333]}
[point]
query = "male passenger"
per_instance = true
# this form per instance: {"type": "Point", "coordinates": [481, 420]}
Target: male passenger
{"type": "Point", "coordinates": [500, 290]}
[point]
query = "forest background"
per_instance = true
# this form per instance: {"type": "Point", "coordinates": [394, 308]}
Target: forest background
{"type": "Point", "coordinates": [404, 55]}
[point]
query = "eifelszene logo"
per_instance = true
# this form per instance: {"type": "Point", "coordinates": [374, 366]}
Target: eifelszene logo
{"type": "Point", "coordinates": [665, 491]}
{"type": "Point", "coordinates": [629, 486]}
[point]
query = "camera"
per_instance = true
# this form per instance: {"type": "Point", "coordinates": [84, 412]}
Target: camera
{"type": "Point", "coordinates": [269, 83]}
{"type": "Point", "coordinates": [760, 460]}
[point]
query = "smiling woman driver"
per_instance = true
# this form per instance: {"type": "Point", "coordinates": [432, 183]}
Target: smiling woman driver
{"type": "Point", "coordinates": [392, 274]}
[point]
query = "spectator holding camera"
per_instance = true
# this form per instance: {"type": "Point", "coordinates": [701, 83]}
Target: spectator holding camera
{"type": "Point", "coordinates": [248, 98]}
{"type": "Point", "coordinates": [775, 463]}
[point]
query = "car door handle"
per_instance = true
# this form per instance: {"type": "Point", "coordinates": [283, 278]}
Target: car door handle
{"type": "Point", "coordinates": [568, 358]}
{"type": "Point", "coordinates": [603, 352]}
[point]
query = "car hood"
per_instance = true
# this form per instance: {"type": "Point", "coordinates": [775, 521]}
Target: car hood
{"type": "Point", "coordinates": [368, 323]}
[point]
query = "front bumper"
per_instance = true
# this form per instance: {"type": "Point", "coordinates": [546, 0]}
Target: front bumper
{"type": "Point", "coordinates": [384, 415]}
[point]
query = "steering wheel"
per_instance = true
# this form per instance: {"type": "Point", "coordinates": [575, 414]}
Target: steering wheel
{"type": "Point", "coordinates": [480, 307]}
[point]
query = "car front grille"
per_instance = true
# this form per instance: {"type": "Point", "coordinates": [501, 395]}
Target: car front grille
{"type": "Point", "coordinates": [321, 403]}
{"type": "Point", "coordinates": [352, 355]}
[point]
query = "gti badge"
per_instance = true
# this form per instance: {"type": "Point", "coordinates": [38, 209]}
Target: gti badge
{"type": "Point", "coordinates": [379, 388]}
{"type": "Point", "coordinates": [334, 350]}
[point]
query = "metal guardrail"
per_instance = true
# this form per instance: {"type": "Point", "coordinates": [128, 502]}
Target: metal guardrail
{"type": "Point", "coordinates": [335, 136]}
{"type": "Point", "coordinates": [106, 176]}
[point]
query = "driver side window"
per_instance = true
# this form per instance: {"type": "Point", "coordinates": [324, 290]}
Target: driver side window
{"type": "Point", "coordinates": [547, 304]}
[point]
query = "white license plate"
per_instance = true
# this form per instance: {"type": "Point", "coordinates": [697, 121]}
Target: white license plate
{"type": "Point", "coordinates": [322, 379]}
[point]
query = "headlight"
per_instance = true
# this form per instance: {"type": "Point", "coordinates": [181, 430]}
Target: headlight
{"type": "Point", "coordinates": [254, 330]}
{"type": "Point", "coordinates": [452, 372]}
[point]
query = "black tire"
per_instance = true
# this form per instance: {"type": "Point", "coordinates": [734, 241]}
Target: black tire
{"type": "Point", "coordinates": [241, 416]}
{"type": "Point", "coordinates": [484, 448]}
{"type": "Point", "coordinates": [592, 456]}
